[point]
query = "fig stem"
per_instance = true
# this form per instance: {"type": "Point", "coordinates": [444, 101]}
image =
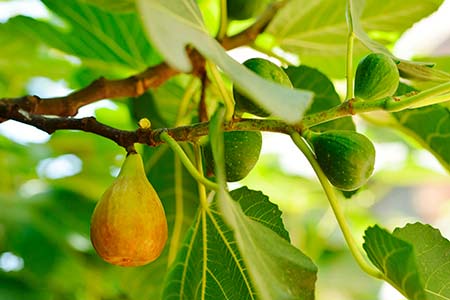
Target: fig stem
{"type": "Point", "coordinates": [187, 162]}
{"type": "Point", "coordinates": [422, 98]}
{"type": "Point", "coordinates": [349, 64]}
{"type": "Point", "coordinates": [353, 106]}
{"type": "Point", "coordinates": [199, 167]}
{"type": "Point", "coordinates": [217, 79]}
{"type": "Point", "coordinates": [179, 209]}
{"type": "Point", "coordinates": [337, 210]}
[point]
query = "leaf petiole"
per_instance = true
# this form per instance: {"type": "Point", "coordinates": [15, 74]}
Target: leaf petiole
{"type": "Point", "coordinates": [227, 99]}
{"type": "Point", "coordinates": [349, 67]}
{"type": "Point", "coordinates": [436, 94]}
{"type": "Point", "coordinates": [339, 214]}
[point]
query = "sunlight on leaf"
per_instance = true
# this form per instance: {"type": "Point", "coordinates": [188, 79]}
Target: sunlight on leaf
{"type": "Point", "coordinates": [228, 274]}
{"type": "Point", "coordinates": [318, 31]}
{"type": "Point", "coordinates": [100, 38]}
{"type": "Point", "coordinates": [278, 269]}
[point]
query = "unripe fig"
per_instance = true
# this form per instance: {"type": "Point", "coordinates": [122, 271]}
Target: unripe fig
{"type": "Point", "coordinates": [376, 77]}
{"type": "Point", "coordinates": [241, 151]}
{"type": "Point", "coordinates": [129, 226]}
{"type": "Point", "coordinates": [346, 157]}
{"type": "Point", "coordinates": [267, 70]}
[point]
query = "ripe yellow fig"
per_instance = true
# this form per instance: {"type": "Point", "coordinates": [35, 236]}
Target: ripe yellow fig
{"type": "Point", "coordinates": [129, 226]}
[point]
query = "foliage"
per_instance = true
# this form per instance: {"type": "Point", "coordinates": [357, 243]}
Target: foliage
{"type": "Point", "coordinates": [270, 236]}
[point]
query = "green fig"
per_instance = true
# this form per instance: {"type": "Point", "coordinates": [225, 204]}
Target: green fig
{"type": "Point", "coordinates": [376, 77]}
{"type": "Point", "coordinates": [129, 226]}
{"type": "Point", "coordinates": [346, 157]}
{"type": "Point", "coordinates": [241, 150]}
{"type": "Point", "coordinates": [267, 70]}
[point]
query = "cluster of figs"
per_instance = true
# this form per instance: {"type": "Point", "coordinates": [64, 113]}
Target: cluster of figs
{"type": "Point", "coordinates": [129, 226]}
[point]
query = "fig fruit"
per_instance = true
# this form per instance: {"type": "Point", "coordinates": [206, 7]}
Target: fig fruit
{"type": "Point", "coordinates": [129, 226]}
{"type": "Point", "coordinates": [376, 77]}
{"type": "Point", "coordinates": [346, 157]}
{"type": "Point", "coordinates": [267, 70]}
{"type": "Point", "coordinates": [241, 151]}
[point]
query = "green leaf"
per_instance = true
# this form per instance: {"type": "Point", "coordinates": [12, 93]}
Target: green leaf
{"type": "Point", "coordinates": [395, 259]}
{"type": "Point", "coordinates": [421, 71]}
{"type": "Point", "coordinates": [311, 27]}
{"type": "Point", "coordinates": [430, 126]}
{"type": "Point", "coordinates": [100, 38]}
{"type": "Point", "coordinates": [173, 25]}
{"type": "Point", "coordinates": [258, 207]}
{"type": "Point", "coordinates": [211, 247]}
{"type": "Point", "coordinates": [325, 95]}
{"type": "Point", "coordinates": [414, 259]}
{"type": "Point", "coordinates": [277, 269]}
{"type": "Point", "coordinates": [317, 30]}
{"type": "Point", "coordinates": [118, 6]}
{"type": "Point", "coordinates": [432, 252]}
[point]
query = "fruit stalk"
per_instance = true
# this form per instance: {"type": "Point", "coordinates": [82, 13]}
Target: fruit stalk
{"type": "Point", "coordinates": [223, 20]}
{"type": "Point", "coordinates": [337, 210]}
{"type": "Point", "coordinates": [187, 162]}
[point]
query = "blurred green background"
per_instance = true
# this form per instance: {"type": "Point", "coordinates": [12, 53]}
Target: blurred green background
{"type": "Point", "coordinates": [49, 186]}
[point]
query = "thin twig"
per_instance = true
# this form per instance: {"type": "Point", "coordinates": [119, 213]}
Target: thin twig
{"type": "Point", "coordinates": [250, 34]}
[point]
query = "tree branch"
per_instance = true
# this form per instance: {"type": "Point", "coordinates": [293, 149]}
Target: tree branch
{"type": "Point", "coordinates": [33, 110]}
{"type": "Point", "coordinates": [132, 86]}
{"type": "Point", "coordinates": [127, 138]}
{"type": "Point", "coordinates": [102, 88]}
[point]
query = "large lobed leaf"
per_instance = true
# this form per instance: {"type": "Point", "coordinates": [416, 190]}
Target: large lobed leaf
{"type": "Point", "coordinates": [173, 25]}
{"type": "Point", "coordinates": [211, 266]}
{"type": "Point", "coordinates": [414, 259]}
